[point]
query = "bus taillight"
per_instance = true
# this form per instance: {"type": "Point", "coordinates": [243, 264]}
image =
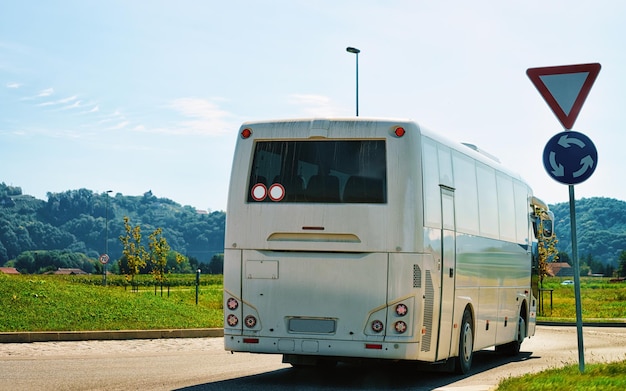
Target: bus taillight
{"type": "Point", "coordinates": [246, 133]}
{"type": "Point", "coordinates": [399, 132]}
{"type": "Point", "coordinates": [377, 326]}
{"type": "Point", "coordinates": [250, 321]}
{"type": "Point", "coordinates": [232, 320]}
{"type": "Point", "coordinates": [401, 309]}
{"type": "Point", "coordinates": [232, 304]}
{"type": "Point", "coordinates": [400, 327]}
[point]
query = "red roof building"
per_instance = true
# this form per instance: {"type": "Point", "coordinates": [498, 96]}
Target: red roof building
{"type": "Point", "coordinates": [9, 270]}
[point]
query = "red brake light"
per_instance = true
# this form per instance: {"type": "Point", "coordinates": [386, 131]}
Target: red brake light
{"type": "Point", "coordinates": [399, 132]}
{"type": "Point", "coordinates": [247, 132]}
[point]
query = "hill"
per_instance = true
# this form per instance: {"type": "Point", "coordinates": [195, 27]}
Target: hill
{"type": "Point", "coordinates": [75, 221]}
{"type": "Point", "coordinates": [600, 229]}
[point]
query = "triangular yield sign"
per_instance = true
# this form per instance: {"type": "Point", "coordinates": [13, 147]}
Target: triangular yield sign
{"type": "Point", "coordinates": [565, 88]}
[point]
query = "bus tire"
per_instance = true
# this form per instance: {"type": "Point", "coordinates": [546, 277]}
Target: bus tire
{"type": "Point", "coordinates": [466, 344]}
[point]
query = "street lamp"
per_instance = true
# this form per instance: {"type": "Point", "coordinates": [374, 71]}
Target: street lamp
{"type": "Point", "coordinates": [356, 51]}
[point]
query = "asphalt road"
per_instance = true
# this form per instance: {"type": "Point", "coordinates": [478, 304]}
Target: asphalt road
{"type": "Point", "coordinates": [197, 364]}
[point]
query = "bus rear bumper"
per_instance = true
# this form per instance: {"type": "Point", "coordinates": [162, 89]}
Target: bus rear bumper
{"type": "Point", "coordinates": [323, 347]}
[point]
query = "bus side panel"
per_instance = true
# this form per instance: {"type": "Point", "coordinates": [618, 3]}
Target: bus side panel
{"type": "Point", "coordinates": [532, 317]}
{"type": "Point", "coordinates": [508, 315]}
{"type": "Point", "coordinates": [502, 271]}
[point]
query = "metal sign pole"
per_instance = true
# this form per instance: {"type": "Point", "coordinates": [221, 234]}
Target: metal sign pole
{"type": "Point", "coordinates": [579, 316]}
{"type": "Point", "coordinates": [565, 88]}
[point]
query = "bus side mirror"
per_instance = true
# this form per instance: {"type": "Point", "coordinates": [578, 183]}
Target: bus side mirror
{"type": "Point", "coordinates": [546, 221]}
{"type": "Point", "coordinates": [547, 229]}
{"type": "Point", "coordinates": [543, 226]}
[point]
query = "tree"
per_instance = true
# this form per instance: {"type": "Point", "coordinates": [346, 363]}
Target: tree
{"type": "Point", "coordinates": [178, 263]}
{"type": "Point", "coordinates": [622, 264]}
{"type": "Point", "coordinates": [217, 264]}
{"type": "Point", "coordinates": [564, 257]}
{"type": "Point", "coordinates": [159, 250]}
{"type": "Point", "coordinates": [133, 251]}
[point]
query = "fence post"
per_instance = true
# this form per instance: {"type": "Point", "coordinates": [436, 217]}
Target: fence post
{"type": "Point", "coordinates": [197, 284]}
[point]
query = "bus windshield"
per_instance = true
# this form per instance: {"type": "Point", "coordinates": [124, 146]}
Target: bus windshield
{"type": "Point", "coordinates": [344, 171]}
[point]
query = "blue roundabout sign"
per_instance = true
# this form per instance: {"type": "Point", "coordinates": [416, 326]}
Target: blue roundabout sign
{"type": "Point", "coordinates": [570, 157]}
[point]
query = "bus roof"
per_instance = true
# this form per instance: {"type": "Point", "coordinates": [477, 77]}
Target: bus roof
{"type": "Point", "coordinates": [468, 149]}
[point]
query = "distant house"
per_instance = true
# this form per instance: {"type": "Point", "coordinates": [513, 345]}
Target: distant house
{"type": "Point", "coordinates": [9, 270]}
{"type": "Point", "coordinates": [560, 269]}
{"type": "Point", "coordinates": [69, 271]}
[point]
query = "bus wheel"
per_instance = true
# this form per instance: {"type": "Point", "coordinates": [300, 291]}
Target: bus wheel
{"type": "Point", "coordinates": [513, 348]}
{"type": "Point", "coordinates": [466, 344]}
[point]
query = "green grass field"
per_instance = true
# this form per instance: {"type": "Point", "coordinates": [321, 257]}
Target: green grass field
{"type": "Point", "coordinates": [601, 300]}
{"type": "Point", "coordinates": [77, 303]}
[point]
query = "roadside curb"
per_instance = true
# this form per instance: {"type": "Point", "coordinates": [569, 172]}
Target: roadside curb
{"type": "Point", "coordinates": [108, 335]}
{"type": "Point", "coordinates": [49, 336]}
{"type": "Point", "coordinates": [585, 324]}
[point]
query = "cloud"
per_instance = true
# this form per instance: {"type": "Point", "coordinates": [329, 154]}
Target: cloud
{"type": "Point", "coordinates": [205, 117]}
{"type": "Point", "coordinates": [115, 116]}
{"type": "Point", "coordinates": [59, 102]}
{"type": "Point", "coordinates": [46, 92]}
{"type": "Point", "coordinates": [120, 125]}
{"type": "Point", "coordinates": [314, 105]}
{"type": "Point", "coordinates": [74, 105]}
{"type": "Point", "coordinates": [13, 85]}
{"type": "Point", "coordinates": [41, 94]}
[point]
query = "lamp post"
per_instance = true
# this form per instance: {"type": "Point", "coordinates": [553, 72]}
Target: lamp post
{"type": "Point", "coordinates": [105, 258]}
{"type": "Point", "coordinates": [356, 51]}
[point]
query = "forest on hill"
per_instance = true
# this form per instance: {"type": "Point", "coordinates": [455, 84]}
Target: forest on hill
{"type": "Point", "coordinates": [73, 225]}
{"type": "Point", "coordinates": [600, 231]}
{"type": "Point", "coordinates": [80, 221]}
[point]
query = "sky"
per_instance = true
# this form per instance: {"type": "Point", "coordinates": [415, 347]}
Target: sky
{"type": "Point", "coordinates": [148, 95]}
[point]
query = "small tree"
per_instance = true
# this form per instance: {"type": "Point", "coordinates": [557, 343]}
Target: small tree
{"type": "Point", "coordinates": [159, 249]}
{"type": "Point", "coordinates": [132, 250]}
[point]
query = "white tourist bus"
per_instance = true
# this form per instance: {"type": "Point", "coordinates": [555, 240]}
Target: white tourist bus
{"type": "Point", "coordinates": [375, 239]}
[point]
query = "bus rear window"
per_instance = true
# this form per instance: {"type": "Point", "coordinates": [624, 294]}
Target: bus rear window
{"type": "Point", "coordinates": [346, 171]}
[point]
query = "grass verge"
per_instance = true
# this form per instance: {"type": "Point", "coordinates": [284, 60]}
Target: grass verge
{"type": "Point", "coordinates": [605, 377]}
{"type": "Point", "coordinates": [67, 303]}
